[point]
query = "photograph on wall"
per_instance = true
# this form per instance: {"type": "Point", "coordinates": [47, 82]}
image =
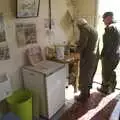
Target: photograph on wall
{"type": "Point", "coordinates": [2, 30]}
{"type": "Point", "coordinates": [27, 8]}
{"type": "Point", "coordinates": [26, 34]}
{"type": "Point", "coordinates": [4, 52]}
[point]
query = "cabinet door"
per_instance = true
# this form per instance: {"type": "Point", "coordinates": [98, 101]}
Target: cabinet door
{"type": "Point", "coordinates": [56, 91]}
{"type": "Point", "coordinates": [35, 82]}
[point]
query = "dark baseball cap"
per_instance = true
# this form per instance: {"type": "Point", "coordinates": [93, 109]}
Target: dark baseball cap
{"type": "Point", "coordinates": [106, 14]}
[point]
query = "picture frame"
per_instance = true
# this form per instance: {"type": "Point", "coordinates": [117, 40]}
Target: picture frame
{"type": "Point", "coordinates": [27, 8]}
{"type": "Point", "coordinates": [2, 29]}
{"type": "Point", "coordinates": [26, 34]}
{"type": "Point", "coordinates": [4, 52]}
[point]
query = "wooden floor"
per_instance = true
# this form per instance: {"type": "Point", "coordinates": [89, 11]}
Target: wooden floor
{"type": "Point", "coordinates": [98, 107]}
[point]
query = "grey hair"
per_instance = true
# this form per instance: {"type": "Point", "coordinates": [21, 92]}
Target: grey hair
{"type": "Point", "coordinates": [82, 21]}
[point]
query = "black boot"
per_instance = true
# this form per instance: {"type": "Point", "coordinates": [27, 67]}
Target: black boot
{"type": "Point", "coordinates": [82, 97]}
{"type": "Point", "coordinates": [104, 91]}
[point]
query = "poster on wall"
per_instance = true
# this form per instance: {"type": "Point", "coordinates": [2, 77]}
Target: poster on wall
{"type": "Point", "coordinates": [4, 52]}
{"type": "Point", "coordinates": [26, 34]}
{"type": "Point", "coordinates": [27, 8]}
{"type": "Point", "coordinates": [2, 30]}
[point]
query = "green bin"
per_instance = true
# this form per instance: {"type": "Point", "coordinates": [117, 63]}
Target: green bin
{"type": "Point", "coordinates": [20, 103]}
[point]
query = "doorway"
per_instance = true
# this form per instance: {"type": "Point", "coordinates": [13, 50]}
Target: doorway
{"type": "Point", "coordinates": [104, 6]}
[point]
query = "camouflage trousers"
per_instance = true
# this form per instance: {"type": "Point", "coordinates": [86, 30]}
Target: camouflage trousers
{"type": "Point", "coordinates": [108, 74]}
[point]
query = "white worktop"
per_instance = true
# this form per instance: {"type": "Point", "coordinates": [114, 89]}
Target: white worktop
{"type": "Point", "coordinates": [46, 67]}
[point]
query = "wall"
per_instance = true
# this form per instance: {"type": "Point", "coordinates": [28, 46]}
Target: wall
{"type": "Point", "coordinates": [8, 8]}
{"type": "Point", "coordinates": [82, 9]}
{"type": "Point", "coordinates": [88, 10]}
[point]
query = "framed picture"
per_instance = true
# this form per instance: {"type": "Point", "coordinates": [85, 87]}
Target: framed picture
{"type": "Point", "coordinates": [34, 55]}
{"type": "Point", "coordinates": [26, 33]}
{"type": "Point", "coordinates": [2, 30]}
{"type": "Point", "coordinates": [27, 8]}
{"type": "Point", "coordinates": [4, 52]}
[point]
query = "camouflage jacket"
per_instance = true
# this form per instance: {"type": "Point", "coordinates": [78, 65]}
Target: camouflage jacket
{"type": "Point", "coordinates": [111, 43]}
{"type": "Point", "coordinates": [88, 41]}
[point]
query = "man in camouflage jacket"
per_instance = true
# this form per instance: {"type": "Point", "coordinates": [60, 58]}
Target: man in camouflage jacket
{"type": "Point", "coordinates": [88, 48]}
{"type": "Point", "coordinates": [110, 54]}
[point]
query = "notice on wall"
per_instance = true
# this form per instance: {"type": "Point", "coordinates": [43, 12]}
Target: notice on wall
{"type": "Point", "coordinates": [26, 33]}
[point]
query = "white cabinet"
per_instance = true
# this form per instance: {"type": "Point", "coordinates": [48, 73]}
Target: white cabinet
{"type": "Point", "coordinates": [67, 74]}
{"type": "Point", "coordinates": [55, 91]}
{"type": "Point", "coordinates": [48, 88]}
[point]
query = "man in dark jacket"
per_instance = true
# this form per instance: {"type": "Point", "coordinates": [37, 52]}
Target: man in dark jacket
{"type": "Point", "coordinates": [110, 54]}
{"type": "Point", "coordinates": [87, 46]}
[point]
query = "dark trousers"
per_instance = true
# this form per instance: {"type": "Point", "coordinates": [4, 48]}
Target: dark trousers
{"type": "Point", "coordinates": [87, 72]}
{"type": "Point", "coordinates": [88, 69]}
{"type": "Point", "coordinates": [109, 74]}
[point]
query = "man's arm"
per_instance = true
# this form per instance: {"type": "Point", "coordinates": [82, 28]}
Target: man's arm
{"type": "Point", "coordinates": [82, 43]}
{"type": "Point", "coordinates": [114, 39]}
{"type": "Point", "coordinates": [111, 43]}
